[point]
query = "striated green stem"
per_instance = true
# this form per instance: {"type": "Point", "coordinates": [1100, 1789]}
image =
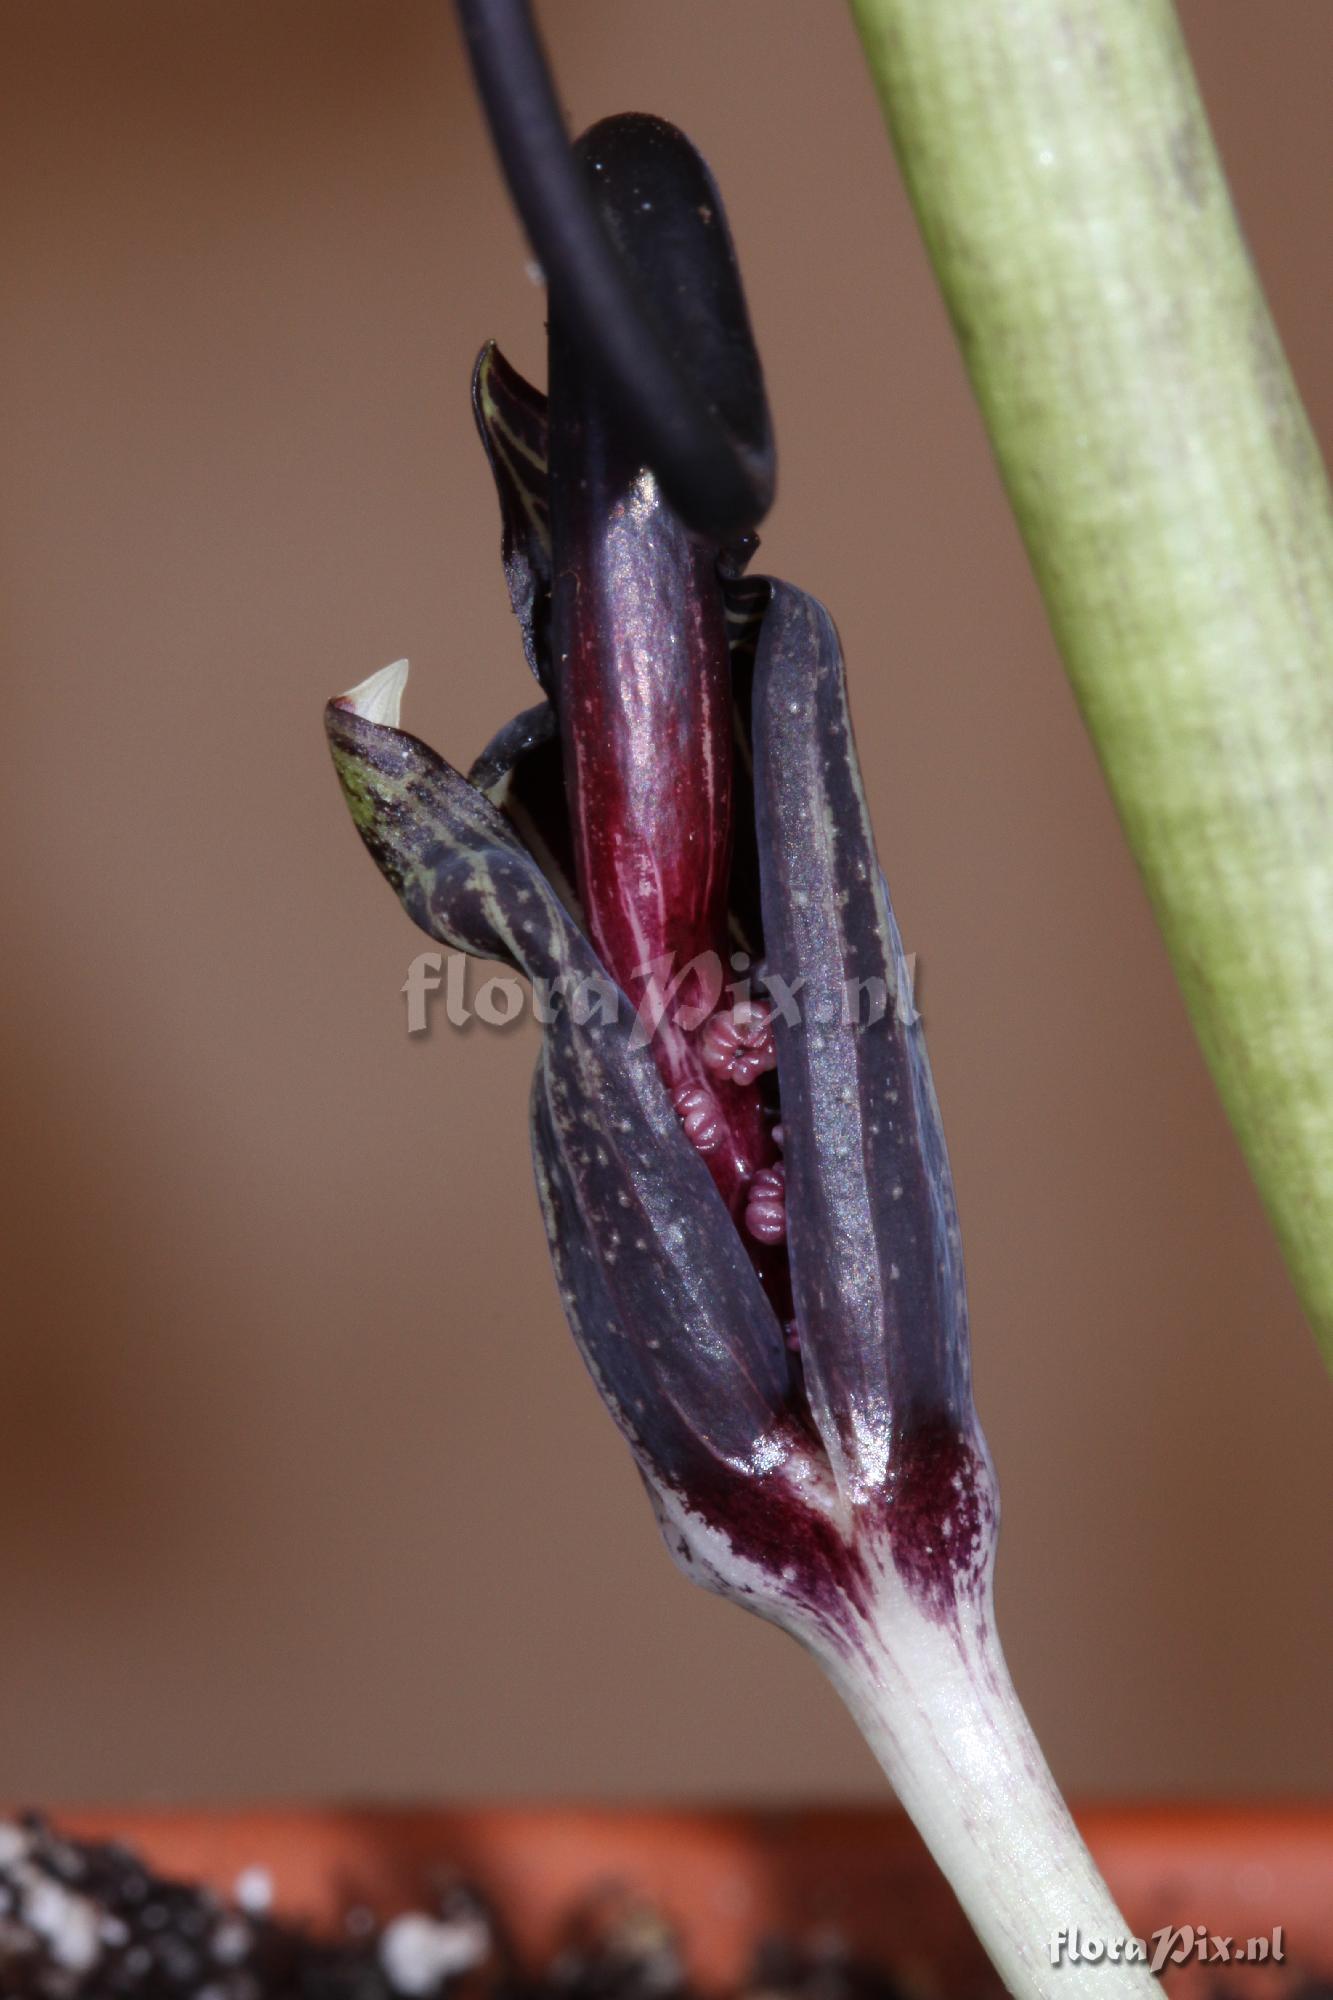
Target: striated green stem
{"type": "Point", "coordinates": [1173, 502]}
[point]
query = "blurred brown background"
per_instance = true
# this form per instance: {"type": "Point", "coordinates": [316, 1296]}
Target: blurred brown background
{"type": "Point", "coordinates": [302, 1488]}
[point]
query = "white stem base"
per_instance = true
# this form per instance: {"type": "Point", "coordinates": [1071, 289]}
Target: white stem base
{"type": "Point", "coordinates": [933, 1698]}
{"type": "Point", "coordinates": [938, 1709]}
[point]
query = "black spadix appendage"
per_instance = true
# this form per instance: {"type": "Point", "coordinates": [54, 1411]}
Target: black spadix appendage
{"type": "Point", "coordinates": [707, 437]}
{"type": "Point", "coordinates": [661, 208]}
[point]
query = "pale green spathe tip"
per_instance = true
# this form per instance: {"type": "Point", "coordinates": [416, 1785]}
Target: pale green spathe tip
{"type": "Point", "coordinates": [379, 699]}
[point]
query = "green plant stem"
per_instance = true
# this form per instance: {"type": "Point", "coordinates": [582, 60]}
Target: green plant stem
{"type": "Point", "coordinates": [1173, 502]}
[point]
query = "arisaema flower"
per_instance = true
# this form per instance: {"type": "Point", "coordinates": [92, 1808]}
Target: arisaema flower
{"type": "Point", "coordinates": [737, 1144]}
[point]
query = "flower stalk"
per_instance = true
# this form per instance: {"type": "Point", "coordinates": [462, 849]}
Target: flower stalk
{"type": "Point", "coordinates": [937, 1707]}
{"type": "Point", "coordinates": [749, 1208]}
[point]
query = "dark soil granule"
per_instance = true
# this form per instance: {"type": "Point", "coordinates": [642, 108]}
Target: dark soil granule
{"type": "Point", "coordinates": [84, 1920]}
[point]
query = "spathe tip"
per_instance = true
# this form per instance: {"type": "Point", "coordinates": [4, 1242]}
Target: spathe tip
{"type": "Point", "coordinates": [379, 698]}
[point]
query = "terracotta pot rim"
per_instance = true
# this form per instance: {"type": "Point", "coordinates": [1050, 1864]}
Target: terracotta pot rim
{"type": "Point", "coordinates": [732, 1874]}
